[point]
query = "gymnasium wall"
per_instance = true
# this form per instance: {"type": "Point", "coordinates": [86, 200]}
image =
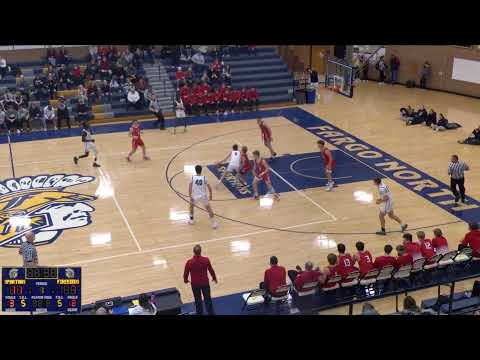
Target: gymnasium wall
{"type": "Point", "coordinates": [297, 57]}
{"type": "Point", "coordinates": [441, 58]}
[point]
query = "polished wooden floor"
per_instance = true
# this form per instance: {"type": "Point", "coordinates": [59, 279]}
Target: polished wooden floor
{"type": "Point", "coordinates": [139, 239]}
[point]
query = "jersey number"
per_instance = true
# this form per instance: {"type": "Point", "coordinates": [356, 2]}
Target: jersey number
{"type": "Point", "coordinates": [199, 182]}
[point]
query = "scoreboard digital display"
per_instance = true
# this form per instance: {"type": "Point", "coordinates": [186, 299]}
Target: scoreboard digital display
{"type": "Point", "coordinates": [41, 289]}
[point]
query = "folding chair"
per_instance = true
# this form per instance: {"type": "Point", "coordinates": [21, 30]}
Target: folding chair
{"type": "Point", "coordinates": [447, 259]}
{"type": "Point", "coordinates": [432, 263]}
{"type": "Point", "coordinates": [332, 283]}
{"type": "Point", "coordinates": [254, 298]}
{"type": "Point", "coordinates": [417, 265]}
{"type": "Point", "coordinates": [281, 296]}
{"type": "Point", "coordinates": [463, 256]}
{"type": "Point", "coordinates": [370, 277]}
{"type": "Point", "coordinates": [385, 273]}
{"type": "Point", "coordinates": [403, 272]}
{"type": "Point", "coordinates": [351, 279]}
{"type": "Point", "coordinates": [307, 289]}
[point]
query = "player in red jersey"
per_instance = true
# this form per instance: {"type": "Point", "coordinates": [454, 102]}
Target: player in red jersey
{"type": "Point", "coordinates": [261, 172]}
{"type": "Point", "coordinates": [329, 163]}
{"type": "Point", "coordinates": [426, 245]}
{"type": "Point", "coordinates": [413, 248]}
{"type": "Point", "coordinates": [331, 270]}
{"type": "Point", "coordinates": [403, 257]}
{"type": "Point", "coordinates": [439, 242]}
{"type": "Point", "coordinates": [137, 141]}
{"type": "Point", "coordinates": [386, 259]}
{"type": "Point", "coordinates": [363, 258]}
{"type": "Point", "coordinates": [245, 165]}
{"type": "Point", "coordinates": [266, 136]}
{"type": "Point", "coordinates": [345, 261]}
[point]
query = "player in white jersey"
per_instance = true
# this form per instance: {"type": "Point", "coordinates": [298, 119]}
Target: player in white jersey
{"type": "Point", "coordinates": [89, 145]}
{"type": "Point", "coordinates": [234, 161]}
{"type": "Point", "coordinates": [198, 195]}
{"type": "Point", "coordinates": [386, 207]}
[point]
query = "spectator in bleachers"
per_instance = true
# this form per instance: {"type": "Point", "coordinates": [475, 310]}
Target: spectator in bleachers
{"type": "Point", "coordinates": [92, 53]}
{"type": "Point", "coordinates": [62, 56]}
{"type": "Point", "coordinates": [92, 69]}
{"type": "Point", "coordinates": [115, 86]}
{"type": "Point", "coordinates": [76, 76]}
{"type": "Point", "coordinates": [105, 92]}
{"type": "Point", "coordinates": [426, 245]}
{"type": "Point", "coordinates": [51, 85]}
{"type": "Point", "coordinates": [345, 261]}
{"type": "Point", "coordinates": [236, 97]}
{"type": "Point", "coordinates": [179, 76]}
{"type": "Point", "coordinates": [49, 116]}
{"type": "Point", "coordinates": [331, 270]}
{"type": "Point", "coordinates": [35, 112]}
{"type": "Point", "coordinates": [82, 93]}
{"type": "Point", "coordinates": [145, 306]}
{"type": "Point", "coordinates": [9, 98]}
{"type": "Point", "coordinates": [51, 55]}
{"type": "Point", "coordinates": [440, 244]}
{"type": "Point", "coordinates": [274, 277]}
{"type": "Point", "coordinates": [403, 257]}
{"type": "Point", "coordinates": [473, 139]}
{"type": "Point", "coordinates": [11, 119]}
{"type": "Point", "coordinates": [156, 110]}
{"type": "Point", "coordinates": [198, 61]}
{"type": "Point", "coordinates": [92, 92]}
{"type": "Point", "coordinates": [211, 103]}
{"type": "Point", "coordinates": [3, 116]}
{"type": "Point", "coordinates": [19, 100]}
{"type": "Point", "coordinates": [253, 101]}
{"type": "Point", "coordinates": [472, 239]}
{"type": "Point", "coordinates": [413, 248]}
{"type": "Point", "coordinates": [386, 259]}
{"type": "Point", "coordinates": [3, 67]}
{"type": "Point", "coordinates": [62, 113]}
{"type": "Point", "coordinates": [226, 104]}
{"type": "Point", "coordinates": [227, 75]}
{"type": "Point", "coordinates": [119, 72]}
{"type": "Point", "coordinates": [300, 277]}
{"type": "Point", "coordinates": [62, 75]}
{"type": "Point", "coordinates": [105, 71]}
{"type": "Point", "coordinates": [82, 110]}
{"type": "Point", "coordinates": [363, 258]}
{"type": "Point", "coordinates": [244, 99]}
{"type": "Point", "coordinates": [23, 116]}
{"type": "Point", "coordinates": [133, 99]}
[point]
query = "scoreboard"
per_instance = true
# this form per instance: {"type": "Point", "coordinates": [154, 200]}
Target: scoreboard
{"type": "Point", "coordinates": [41, 289]}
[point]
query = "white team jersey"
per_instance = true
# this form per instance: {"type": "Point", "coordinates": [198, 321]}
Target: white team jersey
{"type": "Point", "coordinates": [199, 186]}
{"type": "Point", "coordinates": [383, 190]}
{"type": "Point", "coordinates": [235, 159]}
{"type": "Point", "coordinates": [88, 134]}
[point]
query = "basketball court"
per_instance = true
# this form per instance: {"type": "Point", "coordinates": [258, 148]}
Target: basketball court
{"type": "Point", "coordinates": [126, 225]}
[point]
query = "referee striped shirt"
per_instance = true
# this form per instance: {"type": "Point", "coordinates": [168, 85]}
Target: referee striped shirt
{"type": "Point", "coordinates": [28, 252]}
{"type": "Point", "coordinates": [456, 169]}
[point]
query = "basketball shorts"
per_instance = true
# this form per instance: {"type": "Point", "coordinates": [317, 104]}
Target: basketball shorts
{"type": "Point", "coordinates": [90, 147]}
{"type": "Point", "coordinates": [200, 200]}
{"type": "Point", "coordinates": [386, 207]}
{"type": "Point", "coordinates": [233, 167]}
{"type": "Point", "coordinates": [136, 143]}
{"type": "Point", "coordinates": [180, 113]}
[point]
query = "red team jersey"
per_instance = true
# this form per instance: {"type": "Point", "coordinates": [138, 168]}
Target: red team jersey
{"type": "Point", "coordinates": [332, 272]}
{"type": "Point", "coordinates": [439, 242]}
{"type": "Point", "coordinates": [427, 248]}
{"type": "Point", "coordinates": [266, 133]}
{"type": "Point", "coordinates": [328, 160]}
{"type": "Point", "coordinates": [414, 249]}
{"type": "Point", "coordinates": [261, 168]}
{"type": "Point", "coordinates": [365, 261]}
{"type": "Point", "coordinates": [345, 264]}
{"type": "Point", "coordinates": [382, 261]}
{"type": "Point", "coordinates": [245, 164]}
{"type": "Point", "coordinates": [136, 138]}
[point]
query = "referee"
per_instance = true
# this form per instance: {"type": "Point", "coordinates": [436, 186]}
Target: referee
{"type": "Point", "coordinates": [456, 171]}
{"type": "Point", "coordinates": [28, 251]}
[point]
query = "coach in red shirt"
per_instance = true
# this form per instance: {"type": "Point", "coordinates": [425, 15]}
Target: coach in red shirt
{"type": "Point", "coordinates": [197, 268]}
{"type": "Point", "coordinates": [472, 239]}
{"type": "Point", "coordinates": [300, 277]}
{"type": "Point", "coordinates": [274, 277]}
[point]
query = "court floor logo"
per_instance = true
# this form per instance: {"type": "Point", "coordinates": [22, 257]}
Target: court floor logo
{"type": "Point", "coordinates": [41, 204]}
